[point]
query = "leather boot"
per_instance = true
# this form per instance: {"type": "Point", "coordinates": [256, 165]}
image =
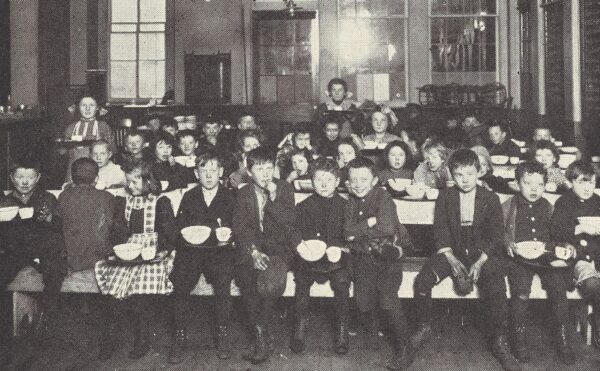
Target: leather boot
{"type": "Point", "coordinates": [520, 348]}
{"type": "Point", "coordinates": [141, 340]}
{"type": "Point", "coordinates": [178, 348]}
{"type": "Point", "coordinates": [565, 352]}
{"type": "Point", "coordinates": [501, 350]}
{"type": "Point", "coordinates": [421, 336]}
{"type": "Point", "coordinates": [223, 343]}
{"type": "Point", "coordinates": [261, 351]}
{"type": "Point", "coordinates": [299, 337]}
{"type": "Point", "coordinates": [341, 336]}
{"type": "Point", "coordinates": [402, 359]}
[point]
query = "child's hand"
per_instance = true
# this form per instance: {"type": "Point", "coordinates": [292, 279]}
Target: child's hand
{"type": "Point", "coordinates": [171, 160]}
{"type": "Point", "coordinates": [259, 260]}
{"type": "Point", "coordinates": [44, 215]}
{"type": "Point", "coordinates": [293, 176]}
{"type": "Point", "coordinates": [456, 265]}
{"type": "Point", "coordinates": [510, 250]}
{"type": "Point", "coordinates": [371, 221]}
{"type": "Point", "coordinates": [475, 270]}
{"type": "Point", "coordinates": [450, 183]}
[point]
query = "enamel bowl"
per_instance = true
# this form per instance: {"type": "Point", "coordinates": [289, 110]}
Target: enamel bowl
{"type": "Point", "coordinates": [128, 251]}
{"type": "Point", "coordinates": [530, 249]}
{"type": "Point", "coordinates": [196, 234]}
{"type": "Point", "coordinates": [311, 250]}
{"type": "Point", "coordinates": [8, 213]}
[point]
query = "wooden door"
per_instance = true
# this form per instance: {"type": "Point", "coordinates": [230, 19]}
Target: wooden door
{"type": "Point", "coordinates": [208, 79]}
{"type": "Point", "coordinates": [555, 78]}
{"type": "Point", "coordinates": [590, 44]}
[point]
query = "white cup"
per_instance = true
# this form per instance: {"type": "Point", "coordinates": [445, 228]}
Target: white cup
{"type": "Point", "coordinates": [164, 184]}
{"type": "Point", "coordinates": [148, 253]}
{"type": "Point", "coordinates": [100, 185]}
{"type": "Point", "coordinates": [26, 212]}
{"type": "Point", "coordinates": [223, 234]}
{"type": "Point", "coordinates": [514, 160]}
{"type": "Point", "coordinates": [77, 138]}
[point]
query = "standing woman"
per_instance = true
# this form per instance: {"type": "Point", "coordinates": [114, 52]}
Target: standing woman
{"type": "Point", "coordinates": [87, 128]}
{"type": "Point", "coordinates": [145, 218]}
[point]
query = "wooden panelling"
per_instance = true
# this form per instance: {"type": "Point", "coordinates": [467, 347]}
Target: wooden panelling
{"type": "Point", "coordinates": [555, 86]}
{"type": "Point", "coordinates": [590, 40]}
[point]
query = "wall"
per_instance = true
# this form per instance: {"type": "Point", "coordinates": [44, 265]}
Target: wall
{"type": "Point", "coordinates": [24, 58]}
{"type": "Point", "coordinates": [4, 50]}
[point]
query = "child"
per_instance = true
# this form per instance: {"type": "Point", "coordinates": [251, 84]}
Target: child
{"type": "Point", "coordinates": [301, 160]}
{"type": "Point", "coordinates": [329, 141]}
{"type": "Point", "coordinates": [210, 205]}
{"type": "Point", "coordinates": [346, 153]}
{"type": "Point", "coordinates": [188, 144]}
{"type": "Point", "coordinates": [468, 230]}
{"type": "Point", "coordinates": [169, 126]}
{"type": "Point", "coordinates": [299, 139]}
{"type": "Point", "coordinates": [380, 123]}
{"type": "Point", "coordinates": [321, 217]}
{"type": "Point", "coordinates": [581, 201]}
{"type": "Point", "coordinates": [338, 99]}
{"type": "Point", "coordinates": [211, 130]}
{"type": "Point", "coordinates": [263, 223]}
{"type": "Point", "coordinates": [477, 133]}
{"type": "Point", "coordinates": [399, 162]}
{"type": "Point", "coordinates": [109, 174]}
{"type": "Point", "coordinates": [527, 218]}
{"type": "Point", "coordinates": [248, 141]}
{"type": "Point", "coordinates": [487, 179]}
{"type": "Point", "coordinates": [546, 154]}
{"type": "Point", "coordinates": [376, 240]}
{"type": "Point", "coordinates": [135, 148]}
{"type": "Point", "coordinates": [164, 167]}
{"type": "Point", "coordinates": [500, 141]}
{"type": "Point", "coordinates": [433, 172]}
{"type": "Point", "coordinates": [542, 133]}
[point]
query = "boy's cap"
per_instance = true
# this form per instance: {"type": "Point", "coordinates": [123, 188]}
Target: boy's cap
{"type": "Point", "coordinates": [272, 281]}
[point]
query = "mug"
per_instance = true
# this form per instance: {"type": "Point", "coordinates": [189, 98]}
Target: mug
{"type": "Point", "coordinates": [148, 253]}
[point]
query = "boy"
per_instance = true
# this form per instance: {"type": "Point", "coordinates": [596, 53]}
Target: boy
{"type": "Point", "coordinates": [321, 217]}
{"type": "Point", "coordinates": [329, 141]}
{"type": "Point", "coordinates": [211, 130]}
{"type": "Point", "coordinates": [135, 148]}
{"type": "Point", "coordinates": [376, 239]}
{"type": "Point", "coordinates": [338, 99]}
{"type": "Point", "coordinates": [110, 175]}
{"type": "Point", "coordinates": [542, 133]}
{"type": "Point", "coordinates": [475, 130]}
{"type": "Point", "coordinates": [164, 166]}
{"type": "Point", "coordinates": [169, 126]}
{"type": "Point", "coordinates": [581, 201]}
{"type": "Point", "coordinates": [210, 205]}
{"type": "Point", "coordinates": [249, 140]}
{"type": "Point", "coordinates": [299, 139]}
{"type": "Point", "coordinates": [188, 144]}
{"type": "Point", "coordinates": [263, 223]}
{"type": "Point", "coordinates": [468, 231]}
{"type": "Point", "coordinates": [527, 218]}
{"type": "Point", "coordinates": [500, 141]}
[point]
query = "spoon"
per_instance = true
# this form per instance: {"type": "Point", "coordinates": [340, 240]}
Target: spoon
{"type": "Point", "coordinates": [219, 221]}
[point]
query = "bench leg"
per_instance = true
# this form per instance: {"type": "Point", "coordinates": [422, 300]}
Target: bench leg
{"type": "Point", "coordinates": [24, 304]}
{"type": "Point", "coordinates": [588, 326]}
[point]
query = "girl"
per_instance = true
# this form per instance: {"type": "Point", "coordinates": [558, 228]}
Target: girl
{"type": "Point", "coordinates": [433, 172]}
{"type": "Point", "coordinates": [164, 167]}
{"type": "Point", "coordinates": [486, 175]}
{"type": "Point", "coordinates": [545, 152]}
{"type": "Point", "coordinates": [346, 153]}
{"type": "Point", "coordinates": [399, 161]}
{"type": "Point", "coordinates": [300, 159]}
{"type": "Point", "coordinates": [380, 123]}
{"type": "Point", "coordinates": [145, 218]}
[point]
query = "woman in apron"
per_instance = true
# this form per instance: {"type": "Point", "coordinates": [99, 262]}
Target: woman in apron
{"type": "Point", "coordinates": [145, 218]}
{"type": "Point", "coordinates": [87, 128]}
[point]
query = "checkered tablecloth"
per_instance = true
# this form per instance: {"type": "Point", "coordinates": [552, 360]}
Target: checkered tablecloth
{"type": "Point", "coordinates": [122, 281]}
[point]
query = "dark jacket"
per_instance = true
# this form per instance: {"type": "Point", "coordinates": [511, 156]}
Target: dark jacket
{"type": "Point", "coordinates": [174, 174]}
{"type": "Point", "coordinates": [510, 209]}
{"type": "Point", "coordinates": [506, 148]}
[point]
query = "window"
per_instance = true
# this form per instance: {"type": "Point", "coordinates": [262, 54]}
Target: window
{"type": "Point", "coordinates": [372, 48]}
{"type": "Point", "coordinates": [137, 49]}
{"type": "Point", "coordinates": [463, 41]}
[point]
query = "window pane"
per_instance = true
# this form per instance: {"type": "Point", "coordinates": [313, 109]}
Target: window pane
{"type": "Point", "coordinates": [152, 79]}
{"type": "Point", "coordinates": [267, 32]}
{"type": "Point", "coordinates": [122, 46]}
{"type": "Point", "coordinates": [268, 61]}
{"type": "Point", "coordinates": [153, 11]}
{"type": "Point", "coordinates": [385, 7]}
{"type": "Point", "coordinates": [119, 27]}
{"type": "Point", "coordinates": [467, 7]}
{"type": "Point", "coordinates": [122, 79]}
{"type": "Point", "coordinates": [124, 11]}
{"type": "Point", "coordinates": [302, 60]}
{"type": "Point", "coordinates": [152, 46]}
{"type": "Point", "coordinates": [152, 27]}
{"type": "Point", "coordinates": [285, 60]}
{"type": "Point", "coordinates": [303, 31]}
{"type": "Point", "coordinates": [285, 34]}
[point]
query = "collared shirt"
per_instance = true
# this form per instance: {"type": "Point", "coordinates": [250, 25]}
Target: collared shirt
{"type": "Point", "coordinates": [467, 207]}
{"type": "Point", "coordinates": [532, 222]}
{"type": "Point", "coordinates": [209, 194]}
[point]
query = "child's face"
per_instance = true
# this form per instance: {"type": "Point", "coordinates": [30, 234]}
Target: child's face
{"type": "Point", "coordinates": [302, 140]}
{"type": "Point", "coordinates": [532, 186]}
{"type": "Point", "coordinates": [379, 122]}
{"type": "Point", "coordinates": [262, 174]}
{"type": "Point", "coordinates": [545, 157]}
{"type": "Point", "coordinates": [452, 124]}
{"type": "Point", "coordinates": [584, 189]}
{"type": "Point", "coordinates": [470, 122]}
{"type": "Point", "coordinates": [434, 160]}
{"type": "Point", "coordinates": [249, 144]}
{"type": "Point", "coordinates": [211, 129]}
{"type": "Point", "coordinates": [170, 129]}
{"type": "Point", "coordinates": [154, 124]}
{"type": "Point", "coordinates": [396, 158]}
{"type": "Point", "coordinates": [163, 151]}
{"type": "Point", "coordinates": [361, 181]}
{"type": "Point", "coordinates": [188, 145]}
{"type": "Point", "coordinates": [332, 131]}
{"type": "Point", "coordinates": [134, 144]}
{"type": "Point", "coordinates": [25, 180]}
{"type": "Point", "coordinates": [483, 166]}
{"type": "Point", "coordinates": [337, 92]}
{"type": "Point", "coordinates": [465, 177]}
{"type": "Point", "coordinates": [209, 174]}
{"type": "Point", "coordinates": [88, 108]}
{"type": "Point", "coordinates": [346, 153]}
{"type": "Point", "coordinates": [300, 164]}
{"type": "Point", "coordinates": [497, 136]}
{"type": "Point", "coordinates": [101, 155]}
{"type": "Point", "coordinates": [247, 123]}
{"type": "Point", "coordinates": [325, 183]}
{"type": "Point", "coordinates": [134, 182]}
{"type": "Point", "coordinates": [542, 134]}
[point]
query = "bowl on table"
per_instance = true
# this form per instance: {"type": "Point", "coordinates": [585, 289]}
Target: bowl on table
{"type": "Point", "coordinates": [432, 193]}
{"type": "Point", "coordinates": [8, 213]}
{"type": "Point", "coordinates": [369, 144]}
{"type": "Point", "coordinates": [311, 250]}
{"type": "Point", "coordinates": [334, 254]}
{"type": "Point", "coordinates": [128, 251]}
{"type": "Point", "coordinates": [500, 159]}
{"type": "Point", "coordinates": [416, 190]}
{"type": "Point", "coordinates": [558, 143]}
{"type": "Point", "coordinates": [568, 149]}
{"type": "Point", "coordinates": [148, 253]}
{"type": "Point", "coordinates": [164, 184]}
{"type": "Point", "coordinates": [399, 184]}
{"type": "Point", "coordinates": [566, 159]}
{"type": "Point", "coordinates": [530, 250]}
{"type": "Point", "coordinates": [223, 234]}
{"type": "Point", "coordinates": [196, 234]}
{"type": "Point", "coordinates": [514, 160]}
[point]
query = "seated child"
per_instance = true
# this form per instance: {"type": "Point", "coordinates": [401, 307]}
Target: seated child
{"type": "Point", "coordinates": [376, 240]}
{"type": "Point", "coordinates": [321, 217]}
{"type": "Point", "coordinates": [500, 140]}
{"type": "Point", "coordinates": [433, 172]}
{"type": "Point", "coordinates": [581, 201]}
{"type": "Point", "coordinates": [527, 218]}
{"type": "Point", "coordinates": [329, 141]}
{"type": "Point", "coordinates": [468, 230]}
{"type": "Point", "coordinates": [346, 153]}
{"type": "Point", "coordinates": [546, 154]}
{"type": "Point", "coordinates": [210, 205]}
{"type": "Point", "coordinates": [452, 134]}
{"type": "Point", "coordinates": [338, 99]}
{"type": "Point", "coordinates": [263, 223]}
{"type": "Point", "coordinates": [188, 145]}
{"type": "Point", "coordinates": [248, 141]}
{"type": "Point", "coordinates": [110, 175]}
{"type": "Point", "coordinates": [210, 140]}
{"type": "Point", "coordinates": [164, 167]}
{"type": "Point", "coordinates": [380, 123]}
{"type": "Point", "coordinates": [245, 122]}
{"type": "Point", "coordinates": [477, 132]}
{"type": "Point", "coordinates": [169, 126]}
{"type": "Point", "coordinates": [399, 162]}
{"type": "Point", "coordinates": [487, 179]}
{"type": "Point", "coordinates": [542, 133]}
{"type": "Point", "coordinates": [135, 148]}
{"type": "Point", "coordinates": [299, 139]}
{"type": "Point", "coordinates": [301, 160]}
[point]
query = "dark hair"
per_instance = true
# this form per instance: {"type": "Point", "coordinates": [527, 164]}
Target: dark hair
{"type": "Point", "coordinates": [331, 120]}
{"type": "Point", "coordinates": [209, 121]}
{"type": "Point", "coordinates": [462, 158]}
{"type": "Point", "coordinates": [349, 142]}
{"type": "Point", "coordinates": [503, 125]}
{"type": "Point", "coordinates": [208, 156]}
{"type": "Point", "coordinates": [168, 122]}
{"type": "Point", "coordinates": [410, 161]}
{"type": "Point", "coordinates": [249, 134]}
{"type": "Point", "coordinates": [135, 133]}
{"type": "Point", "coordinates": [258, 156]}
{"type": "Point", "coordinates": [337, 81]}
{"type": "Point", "coordinates": [84, 171]}
{"type": "Point", "coordinates": [185, 133]}
{"type": "Point", "coordinates": [543, 144]}
{"type": "Point", "coordinates": [150, 185]}
{"type": "Point", "coordinates": [413, 106]}
{"type": "Point", "coordinates": [25, 162]}
{"type": "Point", "coordinates": [362, 162]}
{"type": "Point", "coordinates": [530, 167]}
{"type": "Point", "coordinates": [580, 168]}
{"type": "Point", "coordinates": [163, 137]}
{"type": "Point", "coordinates": [471, 112]}
{"type": "Point", "coordinates": [326, 164]}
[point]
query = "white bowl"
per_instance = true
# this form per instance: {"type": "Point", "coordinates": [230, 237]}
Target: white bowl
{"type": "Point", "coordinates": [128, 251]}
{"type": "Point", "coordinates": [432, 193]}
{"type": "Point", "coordinates": [399, 184]}
{"type": "Point", "coordinates": [334, 254]}
{"type": "Point", "coordinates": [558, 143]}
{"type": "Point", "coordinates": [148, 253]}
{"type": "Point", "coordinates": [595, 159]}
{"type": "Point", "coordinates": [589, 220]}
{"type": "Point", "coordinates": [223, 234]}
{"type": "Point", "coordinates": [566, 159]}
{"type": "Point", "coordinates": [530, 249]}
{"type": "Point", "coordinates": [8, 213]}
{"type": "Point", "coordinates": [500, 159]}
{"type": "Point", "coordinates": [416, 190]}
{"type": "Point", "coordinates": [311, 250]}
{"type": "Point", "coordinates": [179, 118]}
{"type": "Point", "coordinates": [569, 149]}
{"type": "Point", "coordinates": [515, 160]}
{"type": "Point", "coordinates": [164, 184]}
{"type": "Point", "coordinates": [381, 145]}
{"type": "Point", "coordinates": [196, 234]}
{"type": "Point", "coordinates": [369, 144]}
{"type": "Point", "coordinates": [26, 212]}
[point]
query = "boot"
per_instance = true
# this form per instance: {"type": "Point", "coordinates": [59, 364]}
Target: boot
{"type": "Point", "coordinates": [501, 350]}
{"type": "Point", "coordinates": [261, 351]}
{"type": "Point", "coordinates": [299, 337]}
{"type": "Point", "coordinates": [341, 336]}
{"type": "Point", "coordinates": [421, 336]}
{"type": "Point", "coordinates": [223, 343]}
{"type": "Point", "coordinates": [141, 340]}
{"type": "Point", "coordinates": [41, 328]}
{"type": "Point", "coordinates": [520, 348]}
{"type": "Point", "coordinates": [178, 348]}
{"type": "Point", "coordinates": [402, 358]}
{"type": "Point", "coordinates": [565, 352]}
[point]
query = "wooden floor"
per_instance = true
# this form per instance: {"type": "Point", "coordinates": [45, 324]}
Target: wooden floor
{"type": "Point", "coordinates": [455, 346]}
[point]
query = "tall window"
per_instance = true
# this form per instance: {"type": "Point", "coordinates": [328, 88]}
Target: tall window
{"type": "Point", "coordinates": [463, 41]}
{"type": "Point", "coordinates": [372, 48]}
{"type": "Point", "coordinates": [137, 49]}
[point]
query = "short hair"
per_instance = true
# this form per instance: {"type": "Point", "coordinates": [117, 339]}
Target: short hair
{"type": "Point", "coordinates": [483, 152]}
{"type": "Point", "coordinates": [471, 112]}
{"type": "Point", "coordinates": [208, 156]}
{"type": "Point", "coordinates": [245, 114]}
{"type": "Point", "coordinates": [135, 133]}
{"type": "Point", "coordinates": [163, 137]}
{"type": "Point", "coordinates": [168, 122]}
{"type": "Point", "coordinates": [302, 128]}
{"type": "Point", "coordinates": [258, 156]}
{"type": "Point", "coordinates": [410, 161]}
{"type": "Point", "coordinates": [503, 125]}
{"type": "Point", "coordinates": [413, 106]}
{"type": "Point", "coordinates": [84, 171]}
{"type": "Point", "coordinates": [347, 141]}
{"type": "Point", "coordinates": [211, 121]}
{"type": "Point", "coordinates": [100, 142]}
{"type": "Point", "coordinates": [462, 158]}
{"type": "Point", "coordinates": [337, 81]}
{"type": "Point", "coordinates": [530, 167]}
{"type": "Point", "coordinates": [331, 120]}
{"type": "Point", "coordinates": [150, 185]}
{"type": "Point", "coordinates": [326, 164]}
{"type": "Point", "coordinates": [435, 145]}
{"type": "Point", "coordinates": [185, 133]}
{"type": "Point", "coordinates": [87, 95]}
{"type": "Point", "coordinates": [580, 168]}
{"type": "Point", "coordinates": [362, 162]}
{"type": "Point", "coordinates": [544, 144]}
{"type": "Point", "coordinates": [25, 162]}
{"type": "Point", "coordinates": [542, 128]}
